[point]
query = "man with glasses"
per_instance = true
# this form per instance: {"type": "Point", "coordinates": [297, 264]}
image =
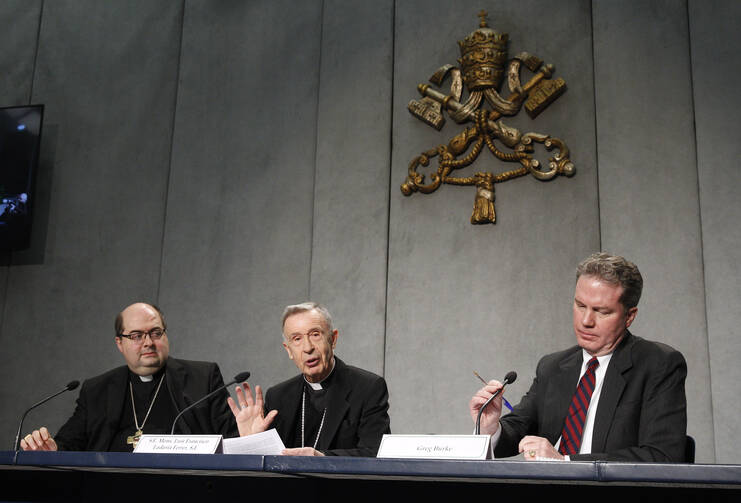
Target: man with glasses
{"type": "Point", "coordinates": [144, 396]}
{"type": "Point", "coordinates": [330, 408]}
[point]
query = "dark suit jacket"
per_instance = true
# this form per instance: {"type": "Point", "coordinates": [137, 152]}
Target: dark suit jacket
{"type": "Point", "coordinates": [357, 411]}
{"type": "Point", "coordinates": [99, 407]}
{"type": "Point", "coordinates": [642, 410]}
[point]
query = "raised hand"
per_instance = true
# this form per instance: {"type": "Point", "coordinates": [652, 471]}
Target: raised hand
{"type": "Point", "coordinates": [249, 413]}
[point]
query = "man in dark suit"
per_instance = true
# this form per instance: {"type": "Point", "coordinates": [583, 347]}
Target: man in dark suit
{"type": "Point", "coordinates": [330, 408]}
{"type": "Point", "coordinates": [115, 408]}
{"type": "Point", "coordinates": [614, 396]}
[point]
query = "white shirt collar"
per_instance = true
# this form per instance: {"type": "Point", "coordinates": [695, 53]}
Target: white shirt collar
{"type": "Point", "coordinates": [316, 386]}
{"type": "Point", "coordinates": [603, 360]}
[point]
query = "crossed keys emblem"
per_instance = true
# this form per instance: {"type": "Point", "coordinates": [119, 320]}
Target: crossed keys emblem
{"type": "Point", "coordinates": [482, 65]}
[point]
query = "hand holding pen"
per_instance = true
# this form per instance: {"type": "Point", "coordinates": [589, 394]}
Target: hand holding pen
{"type": "Point", "coordinates": [504, 400]}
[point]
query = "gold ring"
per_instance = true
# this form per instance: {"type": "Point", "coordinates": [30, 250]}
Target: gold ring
{"type": "Point", "coordinates": [532, 453]}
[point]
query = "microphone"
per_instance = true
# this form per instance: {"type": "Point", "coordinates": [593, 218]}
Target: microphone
{"type": "Point", "coordinates": [70, 386]}
{"type": "Point", "coordinates": [241, 377]}
{"type": "Point", "coordinates": [508, 379]}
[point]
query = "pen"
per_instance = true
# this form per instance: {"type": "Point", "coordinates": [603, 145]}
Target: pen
{"type": "Point", "coordinates": [506, 403]}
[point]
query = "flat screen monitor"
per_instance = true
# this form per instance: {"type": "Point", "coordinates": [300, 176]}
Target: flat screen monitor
{"type": "Point", "coordinates": [20, 138]}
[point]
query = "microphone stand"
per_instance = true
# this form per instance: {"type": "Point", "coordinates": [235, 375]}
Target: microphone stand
{"type": "Point", "coordinates": [238, 378]}
{"type": "Point", "coordinates": [16, 445]}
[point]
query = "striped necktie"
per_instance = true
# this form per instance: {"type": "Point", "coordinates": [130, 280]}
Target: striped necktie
{"type": "Point", "coordinates": [577, 415]}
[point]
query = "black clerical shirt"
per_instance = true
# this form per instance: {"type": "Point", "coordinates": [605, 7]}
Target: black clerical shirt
{"type": "Point", "coordinates": [159, 420]}
{"type": "Point", "coordinates": [316, 402]}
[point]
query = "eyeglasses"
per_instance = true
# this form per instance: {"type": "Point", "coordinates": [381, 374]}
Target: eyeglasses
{"type": "Point", "coordinates": [138, 336]}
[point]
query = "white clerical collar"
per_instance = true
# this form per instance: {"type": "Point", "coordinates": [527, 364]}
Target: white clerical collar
{"type": "Point", "coordinates": [316, 386]}
{"type": "Point", "coordinates": [148, 378]}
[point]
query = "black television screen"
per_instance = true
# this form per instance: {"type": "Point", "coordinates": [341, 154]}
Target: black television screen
{"type": "Point", "coordinates": [20, 137]}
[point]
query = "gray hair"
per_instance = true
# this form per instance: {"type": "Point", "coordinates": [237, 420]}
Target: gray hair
{"type": "Point", "coordinates": [615, 270]}
{"type": "Point", "coordinates": [308, 306]}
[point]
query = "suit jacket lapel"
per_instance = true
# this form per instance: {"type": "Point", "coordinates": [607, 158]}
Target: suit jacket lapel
{"type": "Point", "coordinates": [289, 410]}
{"type": "Point", "coordinates": [114, 402]}
{"type": "Point", "coordinates": [337, 406]}
{"type": "Point", "coordinates": [175, 376]}
{"type": "Point", "coordinates": [117, 387]}
{"type": "Point", "coordinates": [561, 387]}
{"type": "Point", "coordinates": [612, 389]}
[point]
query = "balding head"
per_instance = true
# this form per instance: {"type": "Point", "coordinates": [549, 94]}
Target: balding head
{"type": "Point", "coordinates": [149, 354]}
{"type": "Point", "coordinates": [119, 326]}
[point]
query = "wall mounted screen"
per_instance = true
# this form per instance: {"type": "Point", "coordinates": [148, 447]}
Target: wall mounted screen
{"type": "Point", "coordinates": [20, 137]}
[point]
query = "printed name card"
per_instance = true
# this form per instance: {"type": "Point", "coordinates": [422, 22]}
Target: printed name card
{"type": "Point", "coordinates": [435, 446]}
{"type": "Point", "coordinates": [179, 444]}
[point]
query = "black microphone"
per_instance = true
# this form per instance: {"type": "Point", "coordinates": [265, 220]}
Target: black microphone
{"type": "Point", "coordinates": [241, 377]}
{"type": "Point", "coordinates": [508, 379]}
{"type": "Point", "coordinates": [70, 386]}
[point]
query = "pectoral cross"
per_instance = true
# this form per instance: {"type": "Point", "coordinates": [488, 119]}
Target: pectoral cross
{"type": "Point", "coordinates": [134, 439]}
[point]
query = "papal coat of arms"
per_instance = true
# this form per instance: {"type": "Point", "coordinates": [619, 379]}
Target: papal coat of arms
{"type": "Point", "coordinates": [482, 67]}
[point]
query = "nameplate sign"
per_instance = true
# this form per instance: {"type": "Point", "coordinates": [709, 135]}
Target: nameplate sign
{"type": "Point", "coordinates": [434, 446]}
{"type": "Point", "coordinates": [179, 444]}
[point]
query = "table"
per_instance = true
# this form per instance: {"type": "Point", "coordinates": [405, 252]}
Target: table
{"type": "Point", "coordinates": [102, 476]}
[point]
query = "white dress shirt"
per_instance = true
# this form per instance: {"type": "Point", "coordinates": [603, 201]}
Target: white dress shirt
{"type": "Point", "coordinates": [586, 439]}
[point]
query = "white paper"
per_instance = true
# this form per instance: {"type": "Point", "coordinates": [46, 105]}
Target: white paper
{"type": "Point", "coordinates": [267, 443]}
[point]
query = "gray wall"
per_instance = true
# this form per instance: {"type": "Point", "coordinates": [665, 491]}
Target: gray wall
{"type": "Point", "coordinates": [226, 158]}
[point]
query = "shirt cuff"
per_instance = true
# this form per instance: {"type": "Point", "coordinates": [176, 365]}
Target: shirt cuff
{"type": "Point", "coordinates": [494, 440]}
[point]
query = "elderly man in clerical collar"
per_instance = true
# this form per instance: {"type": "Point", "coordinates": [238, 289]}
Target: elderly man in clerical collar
{"type": "Point", "coordinates": [330, 408]}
